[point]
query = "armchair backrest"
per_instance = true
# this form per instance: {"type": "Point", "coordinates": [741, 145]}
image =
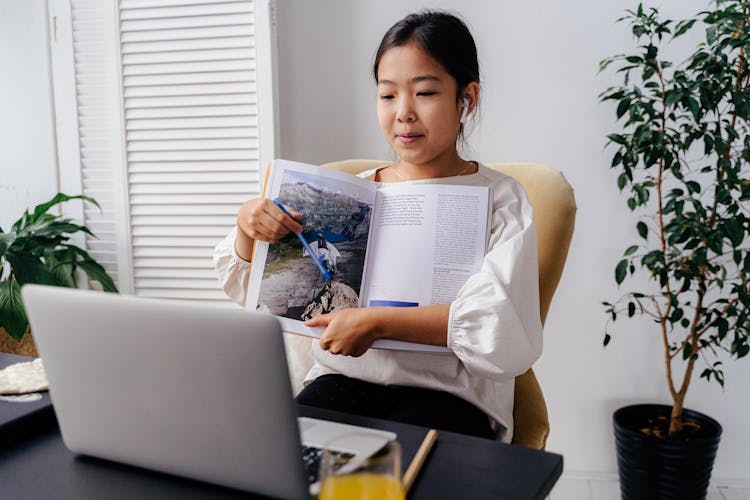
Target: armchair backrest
{"type": "Point", "coordinates": [554, 205]}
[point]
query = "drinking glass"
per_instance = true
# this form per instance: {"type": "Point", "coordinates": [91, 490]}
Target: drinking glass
{"type": "Point", "coordinates": [377, 477]}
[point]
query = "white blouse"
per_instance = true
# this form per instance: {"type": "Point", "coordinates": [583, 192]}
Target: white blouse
{"type": "Point", "coordinates": [494, 326]}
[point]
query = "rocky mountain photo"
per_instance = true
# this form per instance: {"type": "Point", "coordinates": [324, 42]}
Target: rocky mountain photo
{"type": "Point", "coordinates": [292, 286]}
{"type": "Point", "coordinates": [338, 216]}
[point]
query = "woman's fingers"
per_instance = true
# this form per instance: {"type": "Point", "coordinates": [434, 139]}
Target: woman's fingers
{"type": "Point", "coordinates": [326, 340]}
{"type": "Point", "coordinates": [261, 219]}
{"type": "Point", "coordinates": [285, 220]}
{"type": "Point", "coordinates": [270, 230]}
{"type": "Point", "coordinates": [342, 338]}
{"type": "Point", "coordinates": [325, 344]}
{"type": "Point", "coordinates": [319, 320]}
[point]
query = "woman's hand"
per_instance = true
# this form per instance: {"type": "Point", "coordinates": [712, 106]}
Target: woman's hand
{"type": "Point", "coordinates": [261, 219]}
{"type": "Point", "coordinates": [350, 332]}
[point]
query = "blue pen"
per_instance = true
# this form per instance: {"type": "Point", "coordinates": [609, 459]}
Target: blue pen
{"type": "Point", "coordinates": [313, 255]}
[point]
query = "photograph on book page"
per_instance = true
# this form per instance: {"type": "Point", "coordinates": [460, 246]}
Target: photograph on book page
{"type": "Point", "coordinates": [336, 226]}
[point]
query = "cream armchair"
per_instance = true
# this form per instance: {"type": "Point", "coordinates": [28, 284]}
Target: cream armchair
{"type": "Point", "coordinates": [554, 212]}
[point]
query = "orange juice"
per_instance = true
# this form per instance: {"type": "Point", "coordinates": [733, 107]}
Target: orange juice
{"type": "Point", "coordinates": [361, 486]}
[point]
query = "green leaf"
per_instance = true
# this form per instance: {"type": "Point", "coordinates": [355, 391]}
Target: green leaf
{"type": "Point", "coordinates": [60, 198]}
{"type": "Point", "coordinates": [617, 159]}
{"type": "Point", "coordinates": [711, 35]}
{"type": "Point", "coordinates": [21, 222]}
{"type": "Point", "coordinates": [12, 314]}
{"type": "Point", "coordinates": [6, 240]}
{"type": "Point", "coordinates": [716, 244]}
{"type": "Point", "coordinates": [622, 107]}
{"type": "Point", "coordinates": [676, 315]}
{"type": "Point", "coordinates": [731, 132]}
{"type": "Point", "coordinates": [604, 63]}
{"type": "Point", "coordinates": [621, 271]}
{"type": "Point", "coordinates": [739, 347]}
{"type": "Point", "coordinates": [693, 187]}
{"type": "Point", "coordinates": [694, 108]}
{"type": "Point", "coordinates": [723, 328]}
{"type": "Point", "coordinates": [631, 250]}
{"type": "Point", "coordinates": [651, 258]}
{"type": "Point", "coordinates": [642, 229]}
{"type": "Point", "coordinates": [617, 138]}
{"type": "Point", "coordinates": [683, 27]}
{"type": "Point", "coordinates": [631, 309]}
{"type": "Point", "coordinates": [734, 231]}
{"type": "Point", "coordinates": [29, 268]}
{"type": "Point", "coordinates": [622, 180]}
{"type": "Point", "coordinates": [94, 271]}
{"type": "Point", "coordinates": [719, 376]}
{"type": "Point", "coordinates": [64, 270]}
{"type": "Point", "coordinates": [687, 351]}
{"type": "Point", "coordinates": [607, 338]}
{"type": "Point", "coordinates": [671, 97]}
{"type": "Point", "coordinates": [708, 145]}
{"type": "Point", "coordinates": [663, 277]}
{"type": "Point", "coordinates": [97, 273]}
{"type": "Point", "coordinates": [49, 227]}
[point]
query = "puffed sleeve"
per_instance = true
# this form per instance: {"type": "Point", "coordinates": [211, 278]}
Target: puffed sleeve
{"type": "Point", "coordinates": [232, 270]}
{"type": "Point", "coordinates": [494, 326]}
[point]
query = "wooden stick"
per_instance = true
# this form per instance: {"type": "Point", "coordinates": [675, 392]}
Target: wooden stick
{"type": "Point", "coordinates": [416, 464]}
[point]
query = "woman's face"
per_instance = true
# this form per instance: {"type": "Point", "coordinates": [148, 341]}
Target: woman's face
{"type": "Point", "coordinates": [417, 107]}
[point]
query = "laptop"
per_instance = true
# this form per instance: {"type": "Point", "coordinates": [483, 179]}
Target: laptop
{"type": "Point", "coordinates": [194, 390]}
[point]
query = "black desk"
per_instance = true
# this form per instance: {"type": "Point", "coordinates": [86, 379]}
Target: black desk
{"type": "Point", "coordinates": [21, 419]}
{"type": "Point", "coordinates": [40, 467]}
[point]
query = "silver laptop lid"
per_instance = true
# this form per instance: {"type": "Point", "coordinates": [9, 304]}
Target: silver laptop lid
{"type": "Point", "coordinates": [194, 390]}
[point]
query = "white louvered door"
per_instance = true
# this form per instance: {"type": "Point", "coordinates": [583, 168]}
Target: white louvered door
{"type": "Point", "coordinates": [187, 119]}
{"type": "Point", "coordinates": [89, 138]}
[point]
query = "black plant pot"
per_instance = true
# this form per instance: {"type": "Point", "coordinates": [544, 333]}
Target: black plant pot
{"type": "Point", "coordinates": [653, 468]}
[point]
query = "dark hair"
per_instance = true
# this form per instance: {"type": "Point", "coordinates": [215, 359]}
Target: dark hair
{"type": "Point", "coordinates": [443, 36]}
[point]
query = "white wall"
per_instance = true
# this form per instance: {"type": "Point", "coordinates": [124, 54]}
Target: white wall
{"type": "Point", "coordinates": [539, 62]}
{"type": "Point", "coordinates": [28, 165]}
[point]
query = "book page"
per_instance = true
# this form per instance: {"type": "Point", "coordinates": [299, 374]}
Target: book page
{"type": "Point", "coordinates": [427, 240]}
{"type": "Point", "coordinates": [459, 243]}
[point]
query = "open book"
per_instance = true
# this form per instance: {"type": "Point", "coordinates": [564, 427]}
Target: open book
{"type": "Point", "coordinates": [401, 244]}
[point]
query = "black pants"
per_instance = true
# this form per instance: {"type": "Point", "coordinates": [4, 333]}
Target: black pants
{"type": "Point", "coordinates": [411, 405]}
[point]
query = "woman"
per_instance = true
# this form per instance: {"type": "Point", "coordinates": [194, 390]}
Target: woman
{"type": "Point", "coordinates": [427, 77]}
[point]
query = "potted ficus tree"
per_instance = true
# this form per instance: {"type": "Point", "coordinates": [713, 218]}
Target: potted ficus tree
{"type": "Point", "coordinates": [37, 249]}
{"type": "Point", "coordinates": [683, 161]}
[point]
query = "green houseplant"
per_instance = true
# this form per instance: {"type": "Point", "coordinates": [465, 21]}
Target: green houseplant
{"type": "Point", "coordinates": [682, 158]}
{"type": "Point", "coordinates": [37, 249]}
